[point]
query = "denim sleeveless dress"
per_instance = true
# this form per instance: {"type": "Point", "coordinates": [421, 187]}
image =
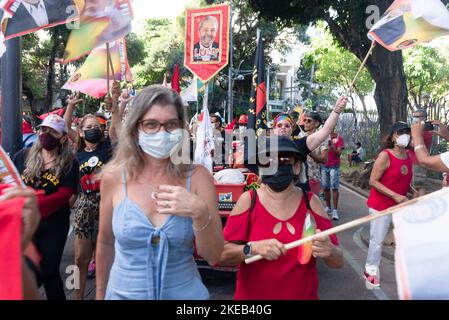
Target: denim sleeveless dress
{"type": "Point", "coordinates": [152, 263]}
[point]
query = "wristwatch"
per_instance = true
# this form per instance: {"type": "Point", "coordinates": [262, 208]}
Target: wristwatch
{"type": "Point", "coordinates": [247, 250]}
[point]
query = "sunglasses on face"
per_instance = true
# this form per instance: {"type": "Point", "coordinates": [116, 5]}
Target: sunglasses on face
{"type": "Point", "coordinates": [280, 161]}
{"type": "Point", "coordinates": [308, 120]}
{"type": "Point", "coordinates": [403, 131]}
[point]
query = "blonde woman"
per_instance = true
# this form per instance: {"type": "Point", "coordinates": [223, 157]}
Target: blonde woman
{"type": "Point", "coordinates": [51, 168]}
{"type": "Point", "coordinates": [150, 219]}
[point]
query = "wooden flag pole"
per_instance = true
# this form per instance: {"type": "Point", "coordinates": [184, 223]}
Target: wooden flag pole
{"type": "Point", "coordinates": [373, 44]}
{"type": "Point", "coordinates": [441, 193]}
{"type": "Point", "coordinates": [112, 66]}
{"type": "Point", "coordinates": [107, 63]}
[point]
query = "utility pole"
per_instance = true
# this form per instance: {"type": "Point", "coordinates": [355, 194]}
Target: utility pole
{"type": "Point", "coordinates": [230, 73]}
{"type": "Point", "coordinates": [11, 78]}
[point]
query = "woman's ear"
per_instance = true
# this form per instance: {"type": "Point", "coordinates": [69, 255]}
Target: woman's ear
{"type": "Point", "coordinates": [297, 168]}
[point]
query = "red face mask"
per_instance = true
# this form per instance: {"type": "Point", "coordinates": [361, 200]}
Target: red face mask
{"type": "Point", "coordinates": [48, 141]}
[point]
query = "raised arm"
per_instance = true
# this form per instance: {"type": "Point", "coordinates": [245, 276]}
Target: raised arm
{"type": "Point", "coordinates": [437, 162]}
{"type": "Point", "coordinates": [315, 139]}
{"type": "Point", "coordinates": [74, 99]}
{"type": "Point", "coordinates": [117, 115]}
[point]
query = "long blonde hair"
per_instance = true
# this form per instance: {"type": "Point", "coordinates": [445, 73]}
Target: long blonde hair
{"type": "Point", "coordinates": [129, 155]}
{"type": "Point", "coordinates": [34, 163]}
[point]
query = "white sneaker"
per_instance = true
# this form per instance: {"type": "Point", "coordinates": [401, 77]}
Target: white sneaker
{"type": "Point", "coordinates": [328, 210]}
{"type": "Point", "coordinates": [335, 215]}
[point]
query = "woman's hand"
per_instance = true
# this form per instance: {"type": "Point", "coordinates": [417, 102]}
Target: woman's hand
{"type": "Point", "coordinates": [270, 249]}
{"type": "Point", "coordinates": [443, 132]}
{"type": "Point", "coordinates": [417, 129]}
{"type": "Point", "coordinates": [322, 246]}
{"type": "Point", "coordinates": [399, 198]}
{"type": "Point", "coordinates": [30, 212]}
{"type": "Point", "coordinates": [341, 104]}
{"type": "Point", "coordinates": [178, 201]}
{"type": "Point", "coordinates": [74, 99]}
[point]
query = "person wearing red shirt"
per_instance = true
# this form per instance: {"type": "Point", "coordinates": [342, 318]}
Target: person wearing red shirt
{"type": "Point", "coordinates": [263, 221]}
{"type": "Point", "coordinates": [390, 183]}
{"type": "Point", "coordinates": [330, 173]}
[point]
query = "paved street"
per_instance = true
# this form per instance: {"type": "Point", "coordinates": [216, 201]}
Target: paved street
{"type": "Point", "coordinates": [342, 284]}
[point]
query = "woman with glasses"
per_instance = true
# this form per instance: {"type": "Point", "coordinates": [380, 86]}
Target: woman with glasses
{"type": "Point", "coordinates": [50, 168]}
{"type": "Point", "coordinates": [152, 209]}
{"type": "Point", "coordinates": [93, 151]}
{"type": "Point", "coordinates": [390, 183]}
{"type": "Point", "coordinates": [263, 221]}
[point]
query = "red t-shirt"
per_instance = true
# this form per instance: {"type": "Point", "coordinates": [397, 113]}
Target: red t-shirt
{"type": "Point", "coordinates": [285, 278]}
{"type": "Point", "coordinates": [427, 136]}
{"type": "Point", "coordinates": [332, 159]}
{"type": "Point", "coordinates": [397, 177]}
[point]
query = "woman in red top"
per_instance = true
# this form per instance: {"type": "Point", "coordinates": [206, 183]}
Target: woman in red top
{"type": "Point", "coordinates": [277, 218]}
{"type": "Point", "coordinates": [390, 182]}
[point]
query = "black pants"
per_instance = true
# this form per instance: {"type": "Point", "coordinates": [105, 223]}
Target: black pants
{"type": "Point", "coordinates": [50, 239]}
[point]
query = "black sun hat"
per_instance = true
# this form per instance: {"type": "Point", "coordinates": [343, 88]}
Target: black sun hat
{"type": "Point", "coordinates": [400, 125]}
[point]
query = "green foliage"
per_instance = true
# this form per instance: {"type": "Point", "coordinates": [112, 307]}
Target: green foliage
{"type": "Point", "coordinates": [335, 68]}
{"type": "Point", "coordinates": [427, 71]}
{"type": "Point", "coordinates": [135, 48]}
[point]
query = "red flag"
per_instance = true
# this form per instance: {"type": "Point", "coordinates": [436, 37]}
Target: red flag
{"type": "Point", "coordinates": [175, 80]}
{"type": "Point", "coordinates": [59, 112]}
{"type": "Point", "coordinates": [231, 125]}
{"type": "Point", "coordinates": [10, 236]}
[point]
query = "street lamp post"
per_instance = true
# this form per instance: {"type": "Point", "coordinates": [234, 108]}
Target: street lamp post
{"type": "Point", "coordinates": [231, 52]}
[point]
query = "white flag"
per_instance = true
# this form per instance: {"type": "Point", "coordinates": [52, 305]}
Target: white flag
{"type": "Point", "coordinates": [204, 141]}
{"type": "Point", "coordinates": [422, 249]}
{"type": "Point", "coordinates": [191, 92]}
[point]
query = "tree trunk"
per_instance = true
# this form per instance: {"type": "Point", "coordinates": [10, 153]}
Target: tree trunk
{"type": "Point", "coordinates": [51, 71]}
{"type": "Point", "coordinates": [390, 95]}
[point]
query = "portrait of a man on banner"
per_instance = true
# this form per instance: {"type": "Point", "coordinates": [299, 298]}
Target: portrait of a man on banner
{"type": "Point", "coordinates": [32, 15]}
{"type": "Point", "coordinates": [207, 40]}
{"type": "Point", "coordinates": [206, 47]}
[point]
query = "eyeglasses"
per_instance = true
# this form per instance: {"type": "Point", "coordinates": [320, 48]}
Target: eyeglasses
{"type": "Point", "coordinates": [280, 161]}
{"type": "Point", "coordinates": [308, 120]}
{"type": "Point", "coordinates": [154, 126]}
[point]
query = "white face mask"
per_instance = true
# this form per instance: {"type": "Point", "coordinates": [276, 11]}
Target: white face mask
{"type": "Point", "coordinates": [162, 144]}
{"type": "Point", "coordinates": [403, 140]}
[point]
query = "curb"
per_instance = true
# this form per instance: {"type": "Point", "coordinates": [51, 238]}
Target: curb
{"type": "Point", "coordinates": [387, 251]}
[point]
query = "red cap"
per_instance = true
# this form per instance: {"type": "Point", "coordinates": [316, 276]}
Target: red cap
{"type": "Point", "coordinates": [243, 119]}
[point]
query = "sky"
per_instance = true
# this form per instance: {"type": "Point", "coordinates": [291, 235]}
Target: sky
{"type": "Point", "coordinates": [144, 9]}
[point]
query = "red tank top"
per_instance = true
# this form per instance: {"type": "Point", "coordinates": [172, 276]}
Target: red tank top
{"type": "Point", "coordinates": [285, 278]}
{"type": "Point", "coordinates": [397, 177]}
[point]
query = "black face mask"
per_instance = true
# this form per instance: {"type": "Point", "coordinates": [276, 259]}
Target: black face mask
{"type": "Point", "coordinates": [281, 180]}
{"type": "Point", "coordinates": [93, 135]}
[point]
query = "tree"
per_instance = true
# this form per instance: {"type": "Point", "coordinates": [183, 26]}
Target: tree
{"type": "Point", "coordinates": [347, 22]}
{"type": "Point", "coordinates": [427, 72]}
{"type": "Point", "coordinates": [335, 69]}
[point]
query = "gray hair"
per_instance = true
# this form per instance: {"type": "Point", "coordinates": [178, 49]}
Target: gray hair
{"type": "Point", "coordinates": [208, 18]}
